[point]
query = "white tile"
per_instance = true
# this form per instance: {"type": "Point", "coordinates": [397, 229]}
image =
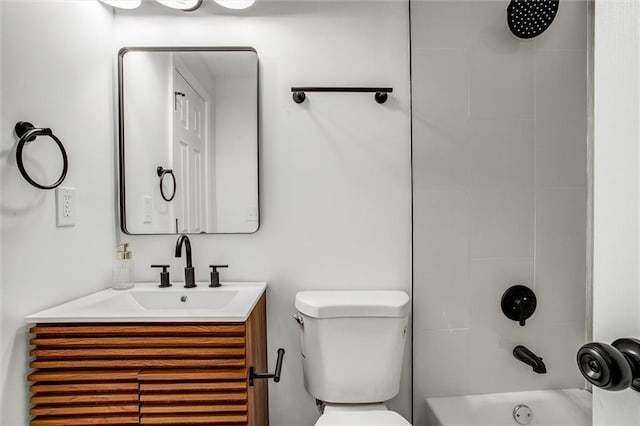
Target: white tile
{"type": "Point", "coordinates": [441, 246]}
{"type": "Point", "coordinates": [561, 254]}
{"type": "Point", "coordinates": [502, 222]}
{"type": "Point", "coordinates": [561, 85]}
{"type": "Point", "coordinates": [491, 364]}
{"type": "Point", "coordinates": [558, 350]}
{"type": "Point", "coordinates": [440, 363]}
{"type": "Point", "coordinates": [501, 68]}
{"type": "Point", "coordinates": [502, 153]}
{"type": "Point", "coordinates": [561, 152]}
{"type": "Point", "coordinates": [569, 28]}
{"type": "Point", "coordinates": [438, 24]}
{"type": "Point", "coordinates": [439, 86]}
{"type": "Point", "coordinates": [488, 280]}
{"type": "Point", "coordinates": [440, 154]}
{"type": "Point", "coordinates": [501, 188]}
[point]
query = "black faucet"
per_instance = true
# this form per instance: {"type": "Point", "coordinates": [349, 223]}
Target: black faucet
{"type": "Point", "coordinates": [525, 355]}
{"type": "Point", "coordinates": [189, 272]}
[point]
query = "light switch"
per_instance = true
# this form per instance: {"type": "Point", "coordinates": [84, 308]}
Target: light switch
{"type": "Point", "coordinates": [148, 209]}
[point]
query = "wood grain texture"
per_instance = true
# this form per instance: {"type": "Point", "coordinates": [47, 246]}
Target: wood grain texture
{"type": "Point", "coordinates": [195, 419]}
{"type": "Point", "coordinates": [194, 397]}
{"type": "Point", "coordinates": [116, 386]}
{"type": "Point", "coordinates": [169, 374]}
{"type": "Point", "coordinates": [139, 363]}
{"type": "Point", "coordinates": [69, 410]}
{"type": "Point", "coordinates": [191, 408]}
{"type": "Point", "coordinates": [193, 352]}
{"type": "Point", "coordinates": [193, 386]}
{"type": "Point", "coordinates": [257, 357]}
{"type": "Point", "coordinates": [129, 419]}
{"type": "Point", "coordinates": [89, 397]}
{"type": "Point", "coordinates": [136, 342]}
{"type": "Point", "coordinates": [192, 374]}
{"type": "Point", "coordinates": [147, 329]}
{"type": "Point", "coordinates": [83, 376]}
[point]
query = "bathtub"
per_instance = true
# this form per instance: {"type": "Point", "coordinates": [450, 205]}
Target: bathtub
{"type": "Point", "coordinates": [568, 407]}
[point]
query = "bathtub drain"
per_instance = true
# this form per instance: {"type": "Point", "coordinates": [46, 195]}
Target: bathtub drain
{"type": "Point", "coordinates": [522, 414]}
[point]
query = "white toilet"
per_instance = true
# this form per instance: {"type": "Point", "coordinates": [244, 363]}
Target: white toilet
{"type": "Point", "coordinates": [352, 345]}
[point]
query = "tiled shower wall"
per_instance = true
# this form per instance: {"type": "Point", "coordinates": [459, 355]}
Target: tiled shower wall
{"type": "Point", "coordinates": [500, 198]}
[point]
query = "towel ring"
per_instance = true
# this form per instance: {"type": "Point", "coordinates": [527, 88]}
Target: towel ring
{"type": "Point", "coordinates": [162, 172]}
{"type": "Point", "coordinates": [28, 133]}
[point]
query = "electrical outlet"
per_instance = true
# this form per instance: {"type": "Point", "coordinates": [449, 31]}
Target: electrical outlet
{"type": "Point", "coordinates": [148, 208]}
{"type": "Point", "coordinates": [66, 207]}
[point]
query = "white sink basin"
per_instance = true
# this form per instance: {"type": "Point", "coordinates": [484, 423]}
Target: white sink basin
{"type": "Point", "coordinates": [146, 302]}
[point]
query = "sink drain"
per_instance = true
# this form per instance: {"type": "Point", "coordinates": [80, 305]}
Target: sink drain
{"type": "Point", "coordinates": [522, 414]}
{"type": "Point", "coordinates": [184, 298]}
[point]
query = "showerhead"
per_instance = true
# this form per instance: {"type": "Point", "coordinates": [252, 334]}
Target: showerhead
{"type": "Point", "coordinates": [530, 18]}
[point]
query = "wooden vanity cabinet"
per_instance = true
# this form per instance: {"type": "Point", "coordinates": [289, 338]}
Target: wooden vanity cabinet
{"type": "Point", "coordinates": [150, 373]}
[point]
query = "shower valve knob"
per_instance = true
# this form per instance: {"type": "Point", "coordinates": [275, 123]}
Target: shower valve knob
{"type": "Point", "coordinates": [518, 303]}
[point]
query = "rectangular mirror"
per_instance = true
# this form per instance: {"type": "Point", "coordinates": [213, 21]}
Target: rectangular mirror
{"type": "Point", "coordinates": [188, 140]}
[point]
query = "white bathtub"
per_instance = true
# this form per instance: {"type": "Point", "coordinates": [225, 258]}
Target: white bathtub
{"type": "Point", "coordinates": [569, 407]}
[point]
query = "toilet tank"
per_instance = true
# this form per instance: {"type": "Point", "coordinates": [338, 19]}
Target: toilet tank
{"type": "Point", "coordinates": [352, 344]}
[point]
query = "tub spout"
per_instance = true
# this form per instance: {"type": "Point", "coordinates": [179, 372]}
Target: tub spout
{"type": "Point", "coordinates": [525, 355]}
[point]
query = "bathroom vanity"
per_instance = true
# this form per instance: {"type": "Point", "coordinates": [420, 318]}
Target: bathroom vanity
{"type": "Point", "coordinates": [161, 363]}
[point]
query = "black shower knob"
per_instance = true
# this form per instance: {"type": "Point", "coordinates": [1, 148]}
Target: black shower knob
{"type": "Point", "coordinates": [518, 303]}
{"type": "Point", "coordinates": [612, 367]}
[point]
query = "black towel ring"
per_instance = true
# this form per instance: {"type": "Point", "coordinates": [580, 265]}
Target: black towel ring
{"type": "Point", "coordinates": [162, 172]}
{"type": "Point", "coordinates": [28, 133]}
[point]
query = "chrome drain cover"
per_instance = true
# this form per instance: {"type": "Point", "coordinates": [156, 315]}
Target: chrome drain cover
{"type": "Point", "coordinates": [522, 414]}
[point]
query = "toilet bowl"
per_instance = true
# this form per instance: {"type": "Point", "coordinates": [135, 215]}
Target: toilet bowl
{"type": "Point", "coordinates": [360, 415]}
{"type": "Point", "coordinates": [352, 346]}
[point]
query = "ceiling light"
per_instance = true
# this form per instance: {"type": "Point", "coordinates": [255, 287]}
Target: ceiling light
{"type": "Point", "coordinates": [123, 4]}
{"type": "Point", "coordinates": [235, 4]}
{"type": "Point", "coordinates": [184, 5]}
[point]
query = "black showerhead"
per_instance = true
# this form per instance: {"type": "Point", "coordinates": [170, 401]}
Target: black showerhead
{"type": "Point", "coordinates": [530, 18]}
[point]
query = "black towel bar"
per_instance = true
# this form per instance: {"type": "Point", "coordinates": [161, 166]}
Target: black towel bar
{"type": "Point", "coordinates": [381, 93]}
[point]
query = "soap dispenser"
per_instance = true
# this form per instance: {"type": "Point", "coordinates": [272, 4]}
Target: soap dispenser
{"type": "Point", "coordinates": [122, 268]}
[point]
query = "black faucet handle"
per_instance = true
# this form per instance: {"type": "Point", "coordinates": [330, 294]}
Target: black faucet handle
{"type": "Point", "coordinates": [164, 275]}
{"type": "Point", "coordinates": [215, 275]}
{"type": "Point", "coordinates": [218, 266]}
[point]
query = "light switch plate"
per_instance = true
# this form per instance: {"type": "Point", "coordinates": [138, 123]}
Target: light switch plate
{"type": "Point", "coordinates": [148, 209]}
{"type": "Point", "coordinates": [66, 206]}
{"type": "Point", "coordinates": [252, 214]}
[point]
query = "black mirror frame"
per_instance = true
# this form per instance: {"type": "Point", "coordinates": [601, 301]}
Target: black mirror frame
{"type": "Point", "coordinates": [121, 156]}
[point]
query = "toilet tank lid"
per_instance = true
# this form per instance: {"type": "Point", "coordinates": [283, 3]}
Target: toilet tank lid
{"type": "Point", "coordinates": [362, 303]}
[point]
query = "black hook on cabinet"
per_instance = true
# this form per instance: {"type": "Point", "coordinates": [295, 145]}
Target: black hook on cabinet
{"type": "Point", "coordinates": [27, 132]}
{"type": "Point", "coordinates": [275, 375]}
{"type": "Point", "coordinates": [162, 172]}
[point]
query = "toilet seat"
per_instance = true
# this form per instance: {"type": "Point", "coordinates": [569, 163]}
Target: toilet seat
{"type": "Point", "coordinates": [363, 415]}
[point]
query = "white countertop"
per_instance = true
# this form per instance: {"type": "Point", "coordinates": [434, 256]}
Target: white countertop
{"type": "Point", "coordinates": [146, 302]}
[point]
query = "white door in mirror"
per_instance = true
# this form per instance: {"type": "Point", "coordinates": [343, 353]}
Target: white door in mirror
{"type": "Point", "coordinates": [66, 206]}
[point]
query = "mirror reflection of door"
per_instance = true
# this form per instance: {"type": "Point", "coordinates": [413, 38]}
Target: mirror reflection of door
{"type": "Point", "coordinates": [189, 155]}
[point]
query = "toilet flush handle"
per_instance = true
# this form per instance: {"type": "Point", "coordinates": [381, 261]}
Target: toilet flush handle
{"type": "Point", "coordinates": [298, 318]}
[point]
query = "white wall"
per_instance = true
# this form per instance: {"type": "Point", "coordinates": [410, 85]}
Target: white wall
{"type": "Point", "coordinates": [616, 310]}
{"type": "Point", "coordinates": [235, 153]}
{"type": "Point", "coordinates": [334, 171]}
{"type": "Point", "coordinates": [499, 149]}
{"type": "Point", "coordinates": [56, 72]}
